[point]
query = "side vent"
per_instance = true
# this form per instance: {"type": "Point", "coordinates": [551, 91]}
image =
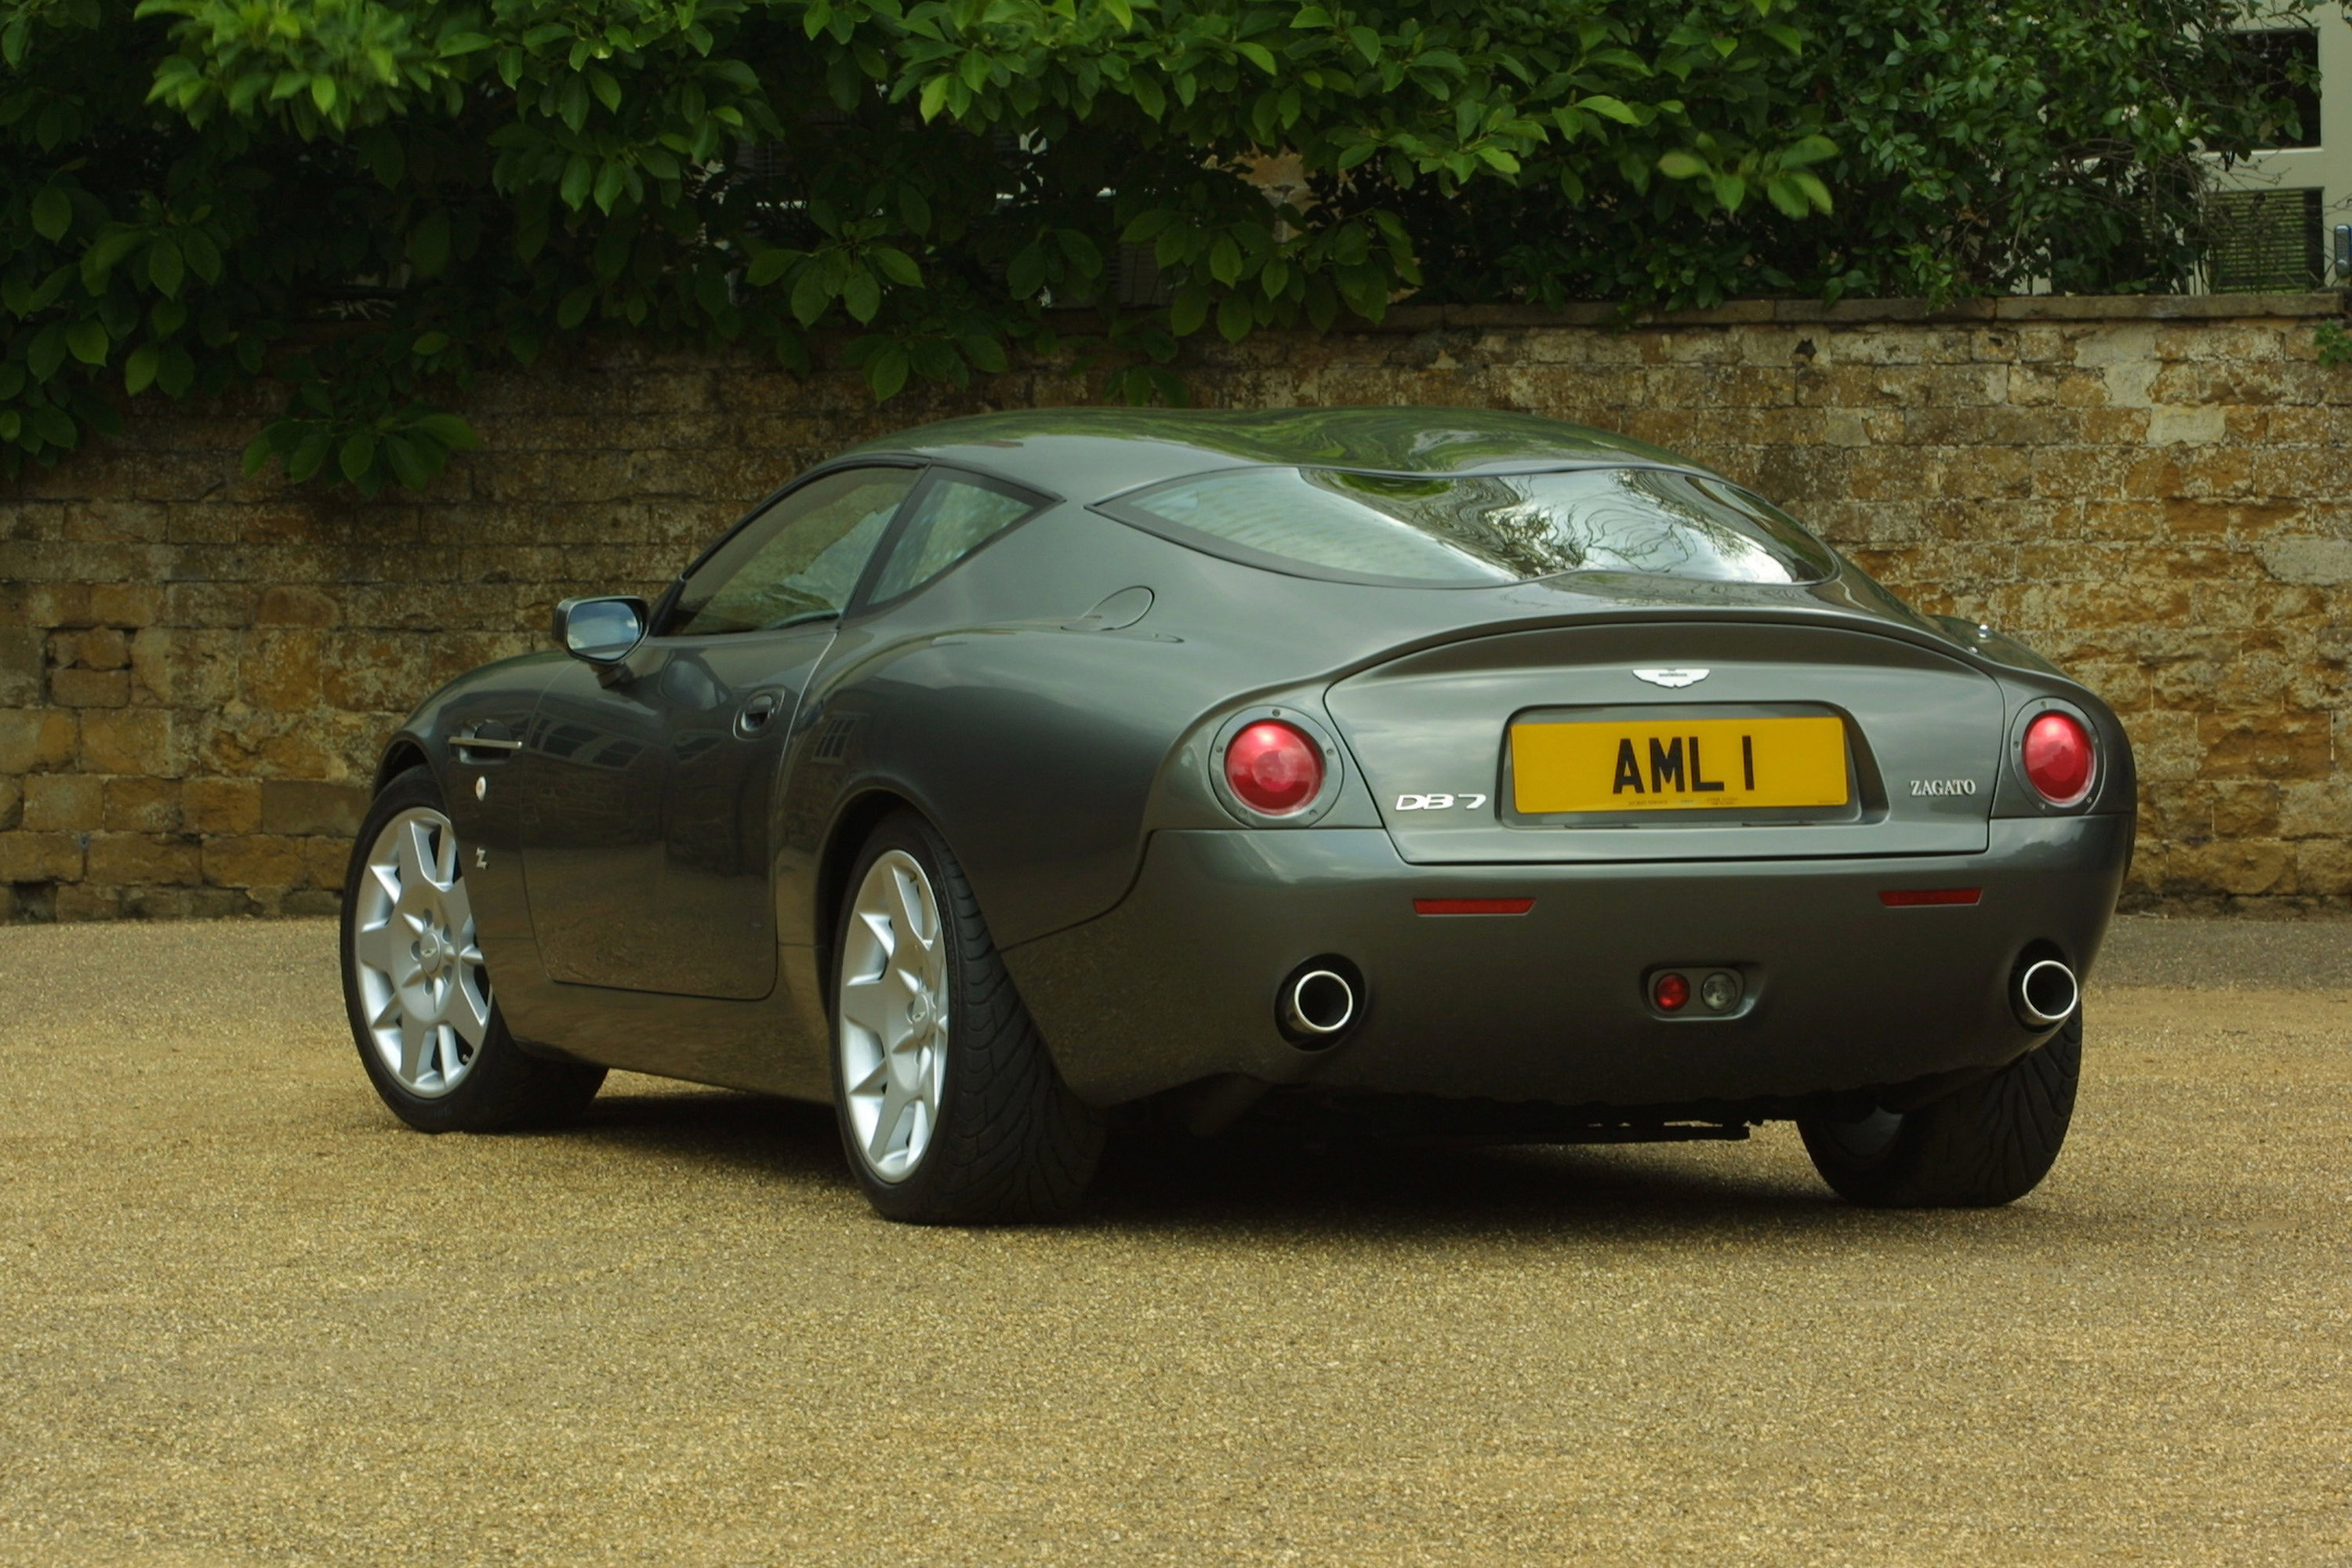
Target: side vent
{"type": "Point", "coordinates": [834, 745]}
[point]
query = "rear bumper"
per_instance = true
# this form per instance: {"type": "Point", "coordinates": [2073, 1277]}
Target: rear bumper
{"type": "Point", "coordinates": [1177, 983]}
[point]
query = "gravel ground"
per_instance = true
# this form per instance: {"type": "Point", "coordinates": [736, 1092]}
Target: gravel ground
{"type": "Point", "coordinates": [246, 1318]}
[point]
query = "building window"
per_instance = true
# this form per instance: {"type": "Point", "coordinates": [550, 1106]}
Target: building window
{"type": "Point", "coordinates": [2261, 242]}
{"type": "Point", "coordinates": [2290, 72]}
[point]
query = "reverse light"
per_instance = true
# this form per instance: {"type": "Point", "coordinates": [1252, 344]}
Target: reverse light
{"type": "Point", "coordinates": [1274, 768]}
{"type": "Point", "coordinates": [2058, 758]}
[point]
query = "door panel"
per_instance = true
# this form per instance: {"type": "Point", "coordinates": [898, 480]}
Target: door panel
{"type": "Point", "coordinates": [649, 785]}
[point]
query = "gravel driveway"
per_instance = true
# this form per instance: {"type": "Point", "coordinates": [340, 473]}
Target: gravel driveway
{"type": "Point", "coordinates": [247, 1317]}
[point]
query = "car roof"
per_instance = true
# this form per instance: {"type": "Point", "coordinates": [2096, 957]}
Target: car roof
{"type": "Point", "coordinates": [1089, 453]}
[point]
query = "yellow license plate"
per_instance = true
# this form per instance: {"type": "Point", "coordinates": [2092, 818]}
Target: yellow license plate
{"type": "Point", "coordinates": [1686, 764]}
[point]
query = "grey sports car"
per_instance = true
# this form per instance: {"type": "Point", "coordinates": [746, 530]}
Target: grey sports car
{"type": "Point", "coordinates": [1418, 771]}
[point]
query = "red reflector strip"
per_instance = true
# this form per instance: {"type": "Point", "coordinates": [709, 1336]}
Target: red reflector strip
{"type": "Point", "coordinates": [1909, 898]}
{"type": "Point", "coordinates": [1472, 906]}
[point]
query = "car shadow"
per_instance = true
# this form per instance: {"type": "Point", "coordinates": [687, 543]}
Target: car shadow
{"type": "Point", "coordinates": [1254, 1183]}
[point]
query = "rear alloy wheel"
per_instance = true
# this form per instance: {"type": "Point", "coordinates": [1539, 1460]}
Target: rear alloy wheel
{"type": "Point", "coordinates": [1988, 1144]}
{"type": "Point", "coordinates": [418, 993]}
{"type": "Point", "coordinates": [950, 1106]}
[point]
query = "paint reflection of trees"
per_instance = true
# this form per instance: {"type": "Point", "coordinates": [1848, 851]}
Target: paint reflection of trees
{"type": "Point", "coordinates": [1597, 520]}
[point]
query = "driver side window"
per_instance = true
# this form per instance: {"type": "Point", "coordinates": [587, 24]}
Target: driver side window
{"type": "Point", "coordinates": [798, 561]}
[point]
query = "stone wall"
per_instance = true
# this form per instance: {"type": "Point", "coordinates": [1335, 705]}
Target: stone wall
{"type": "Point", "coordinates": [197, 669]}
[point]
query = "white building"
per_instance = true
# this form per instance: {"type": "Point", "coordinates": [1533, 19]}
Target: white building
{"type": "Point", "coordinates": [2283, 218]}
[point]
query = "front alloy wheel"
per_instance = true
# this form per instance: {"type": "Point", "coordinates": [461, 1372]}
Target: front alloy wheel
{"type": "Point", "coordinates": [413, 954]}
{"type": "Point", "coordinates": [427, 1025]}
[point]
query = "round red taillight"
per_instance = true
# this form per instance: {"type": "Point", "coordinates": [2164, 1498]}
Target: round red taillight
{"type": "Point", "coordinates": [1274, 768]}
{"type": "Point", "coordinates": [2057, 756]}
{"type": "Point", "coordinates": [1671, 993]}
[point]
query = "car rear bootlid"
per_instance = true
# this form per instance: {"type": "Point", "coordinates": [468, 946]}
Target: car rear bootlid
{"type": "Point", "coordinates": [1619, 742]}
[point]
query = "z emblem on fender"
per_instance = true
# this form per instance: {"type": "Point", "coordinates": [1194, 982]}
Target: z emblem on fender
{"type": "Point", "coordinates": [1671, 678]}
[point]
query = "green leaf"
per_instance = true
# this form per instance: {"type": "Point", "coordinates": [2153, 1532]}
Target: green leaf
{"type": "Point", "coordinates": [408, 464]}
{"type": "Point", "coordinates": [769, 266]}
{"type": "Point", "coordinates": [1614, 108]}
{"type": "Point", "coordinates": [935, 94]}
{"type": "Point", "coordinates": [178, 372]}
{"type": "Point", "coordinates": [1225, 260]}
{"type": "Point", "coordinates": [1025, 274]}
{"type": "Point", "coordinates": [1259, 56]}
{"type": "Point", "coordinates": [861, 296]}
{"type": "Point", "coordinates": [811, 297]}
{"type": "Point", "coordinates": [1366, 42]}
{"type": "Point", "coordinates": [1731, 191]}
{"type": "Point", "coordinates": [258, 453]}
{"type": "Point", "coordinates": [897, 264]}
{"type": "Point", "coordinates": [1680, 165]}
{"type": "Point", "coordinates": [89, 340]}
{"type": "Point", "coordinates": [429, 344]}
{"type": "Point", "coordinates": [139, 370]}
{"type": "Point", "coordinates": [1189, 309]}
{"type": "Point", "coordinates": [575, 306]}
{"type": "Point", "coordinates": [579, 175]}
{"type": "Point", "coordinates": [202, 255]}
{"type": "Point", "coordinates": [310, 455]}
{"type": "Point", "coordinates": [887, 375]}
{"type": "Point", "coordinates": [450, 430]}
{"type": "Point", "coordinates": [359, 455]}
{"type": "Point", "coordinates": [52, 213]}
{"type": "Point", "coordinates": [1235, 318]}
{"type": "Point", "coordinates": [165, 270]}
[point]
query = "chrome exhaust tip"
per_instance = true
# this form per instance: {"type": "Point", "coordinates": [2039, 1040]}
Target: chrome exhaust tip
{"type": "Point", "coordinates": [1320, 1000]}
{"type": "Point", "coordinates": [2046, 994]}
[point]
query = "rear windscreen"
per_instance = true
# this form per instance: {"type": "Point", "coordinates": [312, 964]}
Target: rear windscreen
{"type": "Point", "coordinates": [1482, 529]}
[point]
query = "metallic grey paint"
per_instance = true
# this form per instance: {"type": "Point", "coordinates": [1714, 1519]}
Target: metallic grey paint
{"type": "Point", "coordinates": [662, 875]}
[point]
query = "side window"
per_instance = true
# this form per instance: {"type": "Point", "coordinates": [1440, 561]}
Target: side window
{"type": "Point", "coordinates": [798, 561]}
{"type": "Point", "coordinates": [954, 517]}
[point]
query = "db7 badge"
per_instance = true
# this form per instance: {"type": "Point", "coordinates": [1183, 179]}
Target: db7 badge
{"type": "Point", "coordinates": [1439, 802]}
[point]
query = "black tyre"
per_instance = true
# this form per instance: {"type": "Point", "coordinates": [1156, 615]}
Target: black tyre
{"type": "Point", "coordinates": [1988, 1144]}
{"type": "Point", "coordinates": [423, 1016]}
{"type": "Point", "coordinates": [951, 1109]}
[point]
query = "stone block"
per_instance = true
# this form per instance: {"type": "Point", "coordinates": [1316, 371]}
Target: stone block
{"type": "Point", "coordinates": [131, 741]}
{"type": "Point", "coordinates": [23, 658]}
{"type": "Point", "coordinates": [183, 667]}
{"type": "Point", "coordinates": [306, 805]}
{"type": "Point", "coordinates": [64, 802]}
{"type": "Point", "coordinates": [27, 856]}
{"type": "Point", "coordinates": [326, 860]}
{"type": "Point", "coordinates": [99, 648]}
{"type": "Point", "coordinates": [87, 901]}
{"type": "Point", "coordinates": [12, 801]}
{"type": "Point", "coordinates": [257, 860]}
{"type": "Point", "coordinates": [280, 670]}
{"type": "Point", "coordinates": [221, 806]}
{"type": "Point", "coordinates": [129, 859]}
{"type": "Point", "coordinates": [142, 805]}
{"type": "Point", "coordinates": [73, 688]}
{"type": "Point", "coordinates": [37, 740]}
{"type": "Point", "coordinates": [287, 606]}
{"type": "Point", "coordinates": [125, 605]}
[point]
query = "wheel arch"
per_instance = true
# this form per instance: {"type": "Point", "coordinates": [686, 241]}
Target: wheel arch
{"type": "Point", "coordinates": [851, 829]}
{"type": "Point", "coordinates": [405, 753]}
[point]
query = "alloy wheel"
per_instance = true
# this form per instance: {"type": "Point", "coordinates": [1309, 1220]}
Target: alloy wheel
{"type": "Point", "coordinates": [893, 1012]}
{"type": "Point", "coordinates": [413, 951]}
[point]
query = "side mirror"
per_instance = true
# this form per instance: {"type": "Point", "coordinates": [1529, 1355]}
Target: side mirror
{"type": "Point", "coordinates": [601, 631]}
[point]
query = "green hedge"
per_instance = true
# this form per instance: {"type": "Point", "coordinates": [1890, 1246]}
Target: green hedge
{"type": "Point", "coordinates": [192, 188]}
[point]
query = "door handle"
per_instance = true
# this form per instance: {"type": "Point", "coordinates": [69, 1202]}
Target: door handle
{"type": "Point", "coordinates": [471, 742]}
{"type": "Point", "coordinates": [755, 715]}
